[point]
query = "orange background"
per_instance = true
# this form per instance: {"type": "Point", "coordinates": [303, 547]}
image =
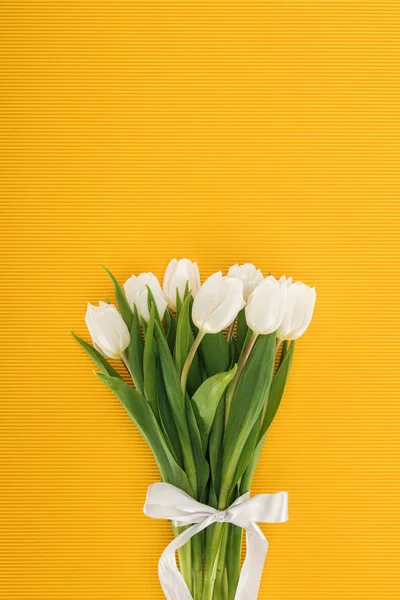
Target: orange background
{"type": "Point", "coordinates": [225, 131]}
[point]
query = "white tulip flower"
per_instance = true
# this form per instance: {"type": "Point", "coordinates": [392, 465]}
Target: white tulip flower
{"type": "Point", "coordinates": [178, 274]}
{"type": "Point", "coordinates": [266, 305]}
{"type": "Point", "coordinates": [249, 275]}
{"type": "Point", "coordinates": [108, 330]}
{"type": "Point", "coordinates": [217, 303]}
{"type": "Point", "coordinates": [298, 312]}
{"type": "Point", "coordinates": [137, 294]}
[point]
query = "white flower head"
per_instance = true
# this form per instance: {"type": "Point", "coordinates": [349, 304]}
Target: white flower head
{"type": "Point", "coordinates": [217, 303]}
{"type": "Point", "coordinates": [178, 275]}
{"type": "Point", "coordinates": [137, 294]}
{"type": "Point", "coordinates": [298, 312]}
{"type": "Point", "coordinates": [249, 275]}
{"type": "Point", "coordinates": [266, 305]}
{"type": "Point", "coordinates": [108, 330]}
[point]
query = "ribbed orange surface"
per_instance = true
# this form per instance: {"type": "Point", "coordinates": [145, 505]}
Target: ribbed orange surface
{"type": "Point", "coordinates": [224, 131]}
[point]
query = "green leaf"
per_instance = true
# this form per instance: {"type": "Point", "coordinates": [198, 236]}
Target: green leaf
{"type": "Point", "coordinates": [122, 301]}
{"type": "Point", "coordinates": [141, 414]}
{"type": "Point", "coordinates": [242, 329]}
{"type": "Point", "coordinates": [178, 303]}
{"type": "Point", "coordinates": [212, 496]}
{"type": "Point", "coordinates": [246, 456]}
{"type": "Point", "coordinates": [215, 353]}
{"type": "Point", "coordinates": [277, 389]}
{"type": "Point", "coordinates": [246, 407]}
{"type": "Point", "coordinates": [184, 336]}
{"type": "Point", "coordinates": [206, 399]}
{"type": "Point", "coordinates": [187, 290]}
{"type": "Point", "coordinates": [233, 352]}
{"type": "Point", "coordinates": [171, 379]}
{"type": "Point", "coordinates": [202, 468]}
{"type": "Point", "coordinates": [170, 329]}
{"type": "Point", "coordinates": [274, 399]}
{"type": "Point", "coordinates": [135, 353]}
{"type": "Point", "coordinates": [151, 301]}
{"type": "Point", "coordinates": [215, 449]}
{"type": "Point", "coordinates": [248, 476]}
{"type": "Point", "coordinates": [99, 360]}
{"type": "Point", "coordinates": [284, 351]}
{"type": "Point", "coordinates": [183, 343]}
{"type": "Point", "coordinates": [177, 404]}
{"type": "Point", "coordinates": [150, 363]}
{"type": "Point", "coordinates": [143, 325]}
{"type": "Point", "coordinates": [167, 420]}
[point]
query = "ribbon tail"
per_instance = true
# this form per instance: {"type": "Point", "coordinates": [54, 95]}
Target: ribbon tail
{"type": "Point", "coordinates": [172, 582]}
{"type": "Point", "coordinates": [250, 576]}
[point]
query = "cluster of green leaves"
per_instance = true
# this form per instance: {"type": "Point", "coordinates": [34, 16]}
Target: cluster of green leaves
{"type": "Point", "coordinates": [197, 446]}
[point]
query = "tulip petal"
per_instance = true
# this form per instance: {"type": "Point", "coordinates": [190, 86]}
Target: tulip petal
{"type": "Point", "coordinates": [217, 303]}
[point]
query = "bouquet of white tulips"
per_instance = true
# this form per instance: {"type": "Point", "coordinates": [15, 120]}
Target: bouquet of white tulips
{"type": "Point", "coordinates": [204, 386]}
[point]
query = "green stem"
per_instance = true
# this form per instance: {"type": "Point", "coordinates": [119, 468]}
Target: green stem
{"type": "Point", "coordinates": [233, 385]}
{"type": "Point", "coordinates": [189, 359]}
{"type": "Point", "coordinates": [185, 558]}
{"type": "Point", "coordinates": [124, 359]}
{"type": "Point", "coordinates": [229, 333]}
{"type": "Point", "coordinates": [197, 566]}
{"type": "Point", "coordinates": [212, 558]}
{"type": "Point", "coordinates": [233, 556]}
{"type": "Point", "coordinates": [216, 539]}
{"type": "Point", "coordinates": [219, 588]}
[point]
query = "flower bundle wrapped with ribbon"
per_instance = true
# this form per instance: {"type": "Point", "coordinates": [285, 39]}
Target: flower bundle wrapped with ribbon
{"type": "Point", "coordinates": [204, 387]}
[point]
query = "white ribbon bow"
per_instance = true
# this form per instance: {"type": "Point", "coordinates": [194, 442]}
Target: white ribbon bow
{"type": "Point", "coordinates": [165, 501]}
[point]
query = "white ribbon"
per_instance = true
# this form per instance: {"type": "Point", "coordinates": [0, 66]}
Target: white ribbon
{"type": "Point", "coordinates": [165, 501]}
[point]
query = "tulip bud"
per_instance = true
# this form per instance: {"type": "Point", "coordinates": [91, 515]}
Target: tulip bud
{"type": "Point", "coordinates": [266, 305]}
{"type": "Point", "coordinates": [178, 274]}
{"type": "Point", "coordinates": [108, 330]}
{"type": "Point", "coordinates": [137, 294]}
{"type": "Point", "coordinates": [298, 312]}
{"type": "Point", "coordinates": [217, 303]}
{"type": "Point", "coordinates": [249, 275]}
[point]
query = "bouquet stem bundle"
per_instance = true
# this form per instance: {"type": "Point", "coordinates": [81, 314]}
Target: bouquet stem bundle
{"type": "Point", "coordinates": [202, 399]}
